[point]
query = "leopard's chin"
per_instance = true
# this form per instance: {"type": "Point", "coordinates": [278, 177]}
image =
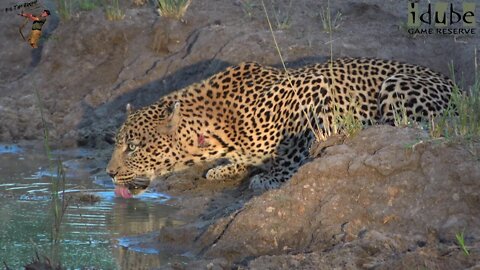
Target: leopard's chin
{"type": "Point", "coordinates": [137, 190]}
{"type": "Point", "coordinates": [132, 188]}
{"type": "Point", "coordinates": [138, 185]}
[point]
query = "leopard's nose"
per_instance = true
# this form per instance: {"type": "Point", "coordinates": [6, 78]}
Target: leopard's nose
{"type": "Point", "coordinates": [111, 172]}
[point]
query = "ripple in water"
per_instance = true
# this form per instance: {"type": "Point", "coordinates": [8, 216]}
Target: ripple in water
{"type": "Point", "coordinates": [98, 235]}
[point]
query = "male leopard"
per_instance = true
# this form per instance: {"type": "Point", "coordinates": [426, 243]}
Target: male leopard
{"type": "Point", "coordinates": [252, 115]}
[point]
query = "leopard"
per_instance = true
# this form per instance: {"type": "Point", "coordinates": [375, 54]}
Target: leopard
{"type": "Point", "coordinates": [254, 116]}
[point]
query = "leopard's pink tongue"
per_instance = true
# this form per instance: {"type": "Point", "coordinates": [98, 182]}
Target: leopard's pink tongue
{"type": "Point", "coordinates": [123, 192]}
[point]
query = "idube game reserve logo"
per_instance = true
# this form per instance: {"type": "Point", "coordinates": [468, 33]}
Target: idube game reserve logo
{"type": "Point", "coordinates": [441, 18]}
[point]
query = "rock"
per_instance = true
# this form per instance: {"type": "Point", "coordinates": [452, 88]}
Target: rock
{"type": "Point", "coordinates": [338, 213]}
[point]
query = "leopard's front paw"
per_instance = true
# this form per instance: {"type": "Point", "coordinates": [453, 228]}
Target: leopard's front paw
{"type": "Point", "coordinates": [262, 182]}
{"type": "Point", "coordinates": [214, 174]}
{"type": "Point", "coordinates": [227, 171]}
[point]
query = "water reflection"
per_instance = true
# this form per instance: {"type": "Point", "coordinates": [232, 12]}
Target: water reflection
{"type": "Point", "coordinates": [12, 149]}
{"type": "Point", "coordinates": [105, 235]}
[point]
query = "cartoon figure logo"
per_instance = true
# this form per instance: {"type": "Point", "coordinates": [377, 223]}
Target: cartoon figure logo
{"type": "Point", "coordinates": [27, 9]}
{"type": "Point", "coordinates": [38, 22]}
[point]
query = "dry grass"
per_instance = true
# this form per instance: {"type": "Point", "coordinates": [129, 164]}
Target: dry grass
{"type": "Point", "coordinates": [330, 23]}
{"type": "Point", "coordinates": [174, 9]}
{"type": "Point", "coordinates": [114, 12]}
{"type": "Point", "coordinates": [462, 117]}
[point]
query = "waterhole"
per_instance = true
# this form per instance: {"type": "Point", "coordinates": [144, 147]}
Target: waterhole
{"type": "Point", "coordinates": [103, 232]}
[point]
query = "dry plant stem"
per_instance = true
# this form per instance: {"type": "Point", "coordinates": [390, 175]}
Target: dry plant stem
{"type": "Point", "coordinates": [58, 205]}
{"type": "Point", "coordinates": [276, 46]}
{"type": "Point", "coordinates": [286, 70]}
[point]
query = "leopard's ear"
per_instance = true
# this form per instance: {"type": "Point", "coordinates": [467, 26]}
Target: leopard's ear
{"type": "Point", "coordinates": [129, 108]}
{"type": "Point", "coordinates": [174, 117]}
{"type": "Point", "coordinates": [176, 107]}
{"type": "Point", "coordinates": [170, 123]}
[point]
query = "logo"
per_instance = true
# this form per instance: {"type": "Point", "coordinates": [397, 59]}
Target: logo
{"type": "Point", "coordinates": [442, 18]}
{"type": "Point", "coordinates": [22, 6]}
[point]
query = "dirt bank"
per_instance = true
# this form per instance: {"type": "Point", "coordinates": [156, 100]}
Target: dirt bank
{"type": "Point", "coordinates": [89, 68]}
{"type": "Point", "coordinates": [389, 198]}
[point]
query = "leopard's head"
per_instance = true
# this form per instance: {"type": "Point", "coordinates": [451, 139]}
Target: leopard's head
{"type": "Point", "coordinates": [146, 146]}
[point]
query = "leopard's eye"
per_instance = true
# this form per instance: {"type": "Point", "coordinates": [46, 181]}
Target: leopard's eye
{"type": "Point", "coordinates": [131, 147]}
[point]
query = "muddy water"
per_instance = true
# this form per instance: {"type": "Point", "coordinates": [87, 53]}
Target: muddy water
{"type": "Point", "coordinates": [105, 235]}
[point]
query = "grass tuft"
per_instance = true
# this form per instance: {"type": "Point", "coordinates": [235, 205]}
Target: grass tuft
{"type": "Point", "coordinates": [88, 5]}
{"type": "Point", "coordinates": [343, 122]}
{"type": "Point", "coordinates": [462, 117]}
{"type": "Point", "coordinates": [329, 23]}
{"type": "Point", "coordinates": [64, 9]}
{"type": "Point", "coordinates": [174, 9]}
{"type": "Point", "coordinates": [139, 2]}
{"type": "Point", "coordinates": [461, 243]}
{"type": "Point", "coordinates": [248, 7]}
{"type": "Point", "coordinates": [114, 12]}
{"type": "Point", "coordinates": [400, 117]}
{"type": "Point", "coordinates": [282, 17]}
{"type": "Point", "coordinates": [347, 123]}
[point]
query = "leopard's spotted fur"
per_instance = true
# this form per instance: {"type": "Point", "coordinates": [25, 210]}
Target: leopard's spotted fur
{"type": "Point", "coordinates": [252, 114]}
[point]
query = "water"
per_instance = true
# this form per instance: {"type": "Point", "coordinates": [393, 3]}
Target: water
{"type": "Point", "coordinates": [109, 234]}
